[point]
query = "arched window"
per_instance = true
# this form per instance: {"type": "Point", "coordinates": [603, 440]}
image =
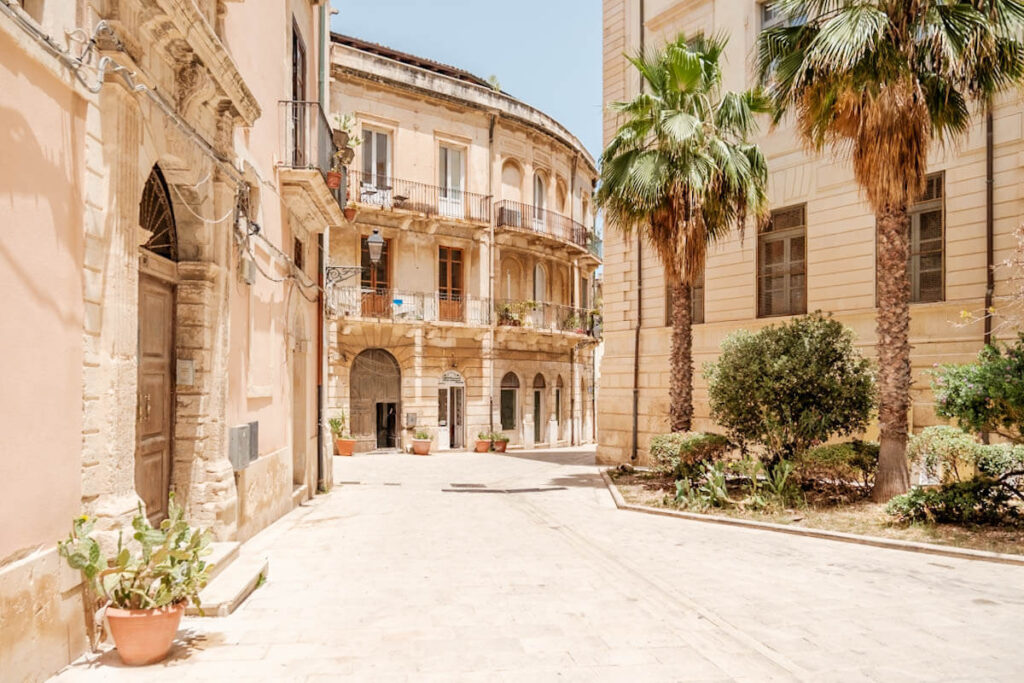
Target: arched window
{"type": "Point", "coordinates": [540, 283]}
{"type": "Point", "coordinates": [157, 217]}
{"type": "Point", "coordinates": [539, 198]}
{"type": "Point", "coordinates": [509, 400]}
{"type": "Point", "coordinates": [511, 182]}
{"type": "Point", "coordinates": [538, 381]}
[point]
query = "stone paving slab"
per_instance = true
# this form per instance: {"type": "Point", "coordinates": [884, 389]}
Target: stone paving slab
{"type": "Point", "coordinates": [377, 582]}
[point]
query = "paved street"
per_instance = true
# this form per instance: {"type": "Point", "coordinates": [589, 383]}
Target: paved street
{"type": "Point", "coordinates": [406, 575]}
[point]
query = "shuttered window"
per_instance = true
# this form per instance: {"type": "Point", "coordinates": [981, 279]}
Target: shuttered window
{"type": "Point", "coordinates": [926, 244]}
{"type": "Point", "coordinates": [782, 263]}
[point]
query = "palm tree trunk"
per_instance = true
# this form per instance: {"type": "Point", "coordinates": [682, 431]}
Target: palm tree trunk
{"type": "Point", "coordinates": [681, 360]}
{"type": "Point", "coordinates": [893, 326]}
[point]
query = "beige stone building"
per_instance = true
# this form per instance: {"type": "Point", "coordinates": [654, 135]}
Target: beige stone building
{"type": "Point", "coordinates": [480, 313]}
{"type": "Point", "coordinates": [818, 253]}
{"type": "Point", "coordinates": [163, 197]}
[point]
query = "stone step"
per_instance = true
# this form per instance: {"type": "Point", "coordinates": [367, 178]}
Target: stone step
{"type": "Point", "coordinates": [224, 553]}
{"type": "Point", "coordinates": [235, 583]}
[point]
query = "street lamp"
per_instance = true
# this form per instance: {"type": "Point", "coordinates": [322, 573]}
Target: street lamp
{"type": "Point", "coordinates": [375, 244]}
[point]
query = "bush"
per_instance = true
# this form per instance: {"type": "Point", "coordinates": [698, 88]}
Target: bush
{"type": "Point", "coordinates": [977, 501]}
{"type": "Point", "coordinates": [985, 396]}
{"type": "Point", "coordinates": [681, 453]}
{"type": "Point", "coordinates": [792, 386]}
{"type": "Point", "coordinates": [839, 465]}
{"type": "Point", "coordinates": [946, 453]}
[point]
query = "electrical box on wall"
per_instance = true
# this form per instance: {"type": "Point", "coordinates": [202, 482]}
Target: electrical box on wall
{"type": "Point", "coordinates": [410, 420]}
{"type": "Point", "coordinates": [239, 448]}
{"type": "Point", "coordinates": [247, 270]}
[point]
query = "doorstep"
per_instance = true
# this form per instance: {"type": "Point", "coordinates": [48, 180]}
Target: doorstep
{"type": "Point", "coordinates": [231, 587]}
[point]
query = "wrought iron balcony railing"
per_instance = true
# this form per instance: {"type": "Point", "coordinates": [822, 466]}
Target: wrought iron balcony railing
{"type": "Point", "coordinates": [307, 141]}
{"type": "Point", "coordinates": [548, 317]}
{"type": "Point", "coordinates": [531, 218]}
{"type": "Point", "coordinates": [403, 306]}
{"type": "Point", "coordinates": [394, 193]}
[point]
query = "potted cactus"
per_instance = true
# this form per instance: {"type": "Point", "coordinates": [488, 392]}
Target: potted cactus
{"type": "Point", "coordinates": [146, 585]}
{"type": "Point", "coordinates": [349, 211]}
{"type": "Point", "coordinates": [344, 444]}
{"type": "Point", "coordinates": [483, 442]}
{"type": "Point", "coordinates": [500, 442]}
{"type": "Point", "coordinates": [421, 442]}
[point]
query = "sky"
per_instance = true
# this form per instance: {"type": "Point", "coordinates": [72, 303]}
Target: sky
{"type": "Point", "coordinates": [546, 53]}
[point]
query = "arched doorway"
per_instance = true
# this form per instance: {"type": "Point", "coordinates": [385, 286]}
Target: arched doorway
{"type": "Point", "coordinates": [375, 394]}
{"type": "Point", "coordinates": [538, 406]}
{"type": "Point", "coordinates": [451, 410]}
{"type": "Point", "coordinates": [154, 426]}
{"type": "Point", "coordinates": [509, 401]}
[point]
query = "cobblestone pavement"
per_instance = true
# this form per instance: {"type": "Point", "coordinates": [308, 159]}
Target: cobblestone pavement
{"type": "Point", "coordinates": [414, 573]}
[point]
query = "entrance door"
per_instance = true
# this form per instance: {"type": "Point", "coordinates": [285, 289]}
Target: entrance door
{"type": "Point", "coordinates": [155, 412]}
{"type": "Point", "coordinates": [450, 409]}
{"type": "Point", "coordinates": [536, 416]}
{"type": "Point", "coordinates": [387, 425]}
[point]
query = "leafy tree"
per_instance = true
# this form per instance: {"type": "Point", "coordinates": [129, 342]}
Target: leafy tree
{"type": "Point", "coordinates": [986, 396]}
{"type": "Point", "coordinates": [791, 386]}
{"type": "Point", "coordinates": [884, 79]}
{"type": "Point", "coordinates": [681, 171]}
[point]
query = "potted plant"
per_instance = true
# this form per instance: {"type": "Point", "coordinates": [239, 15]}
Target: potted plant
{"type": "Point", "coordinates": [344, 444]}
{"type": "Point", "coordinates": [500, 442]}
{"type": "Point", "coordinates": [146, 585]}
{"type": "Point", "coordinates": [350, 211]}
{"type": "Point", "coordinates": [483, 442]}
{"type": "Point", "coordinates": [421, 442]}
{"type": "Point", "coordinates": [334, 176]}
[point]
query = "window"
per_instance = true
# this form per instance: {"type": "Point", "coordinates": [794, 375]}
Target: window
{"type": "Point", "coordinates": [449, 284]}
{"type": "Point", "coordinates": [299, 254]}
{"type": "Point", "coordinates": [782, 263]}
{"type": "Point", "coordinates": [770, 16]}
{"type": "Point", "coordinates": [451, 181]}
{"type": "Point", "coordinates": [509, 400]}
{"type": "Point", "coordinates": [539, 200]}
{"type": "Point", "coordinates": [696, 302]}
{"type": "Point", "coordinates": [584, 293]}
{"type": "Point", "coordinates": [926, 243]}
{"type": "Point", "coordinates": [540, 283]}
{"type": "Point", "coordinates": [376, 175]}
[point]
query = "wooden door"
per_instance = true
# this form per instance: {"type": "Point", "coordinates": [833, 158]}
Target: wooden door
{"type": "Point", "coordinates": [376, 282]}
{"type": "Point", "coordinates": [155, 408]}
{"type": "Point", "coordinates": [302, 114]}
{"type": "Point", "coordinates": [449, 286]}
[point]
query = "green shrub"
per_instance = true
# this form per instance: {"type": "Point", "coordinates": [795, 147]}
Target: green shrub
{"type": "Point", "coordinates": [791, 386]}
{"type": "Point", "coordinates": [838, 465]}
{"type": "Point", "coordinates": [946, 453]}
{"type": "Point", "coordinates": [680, 453]}
{"type": "Point", "coordinates": [985, 396]}
{"type": "Point", "coordinates": [981, 500]}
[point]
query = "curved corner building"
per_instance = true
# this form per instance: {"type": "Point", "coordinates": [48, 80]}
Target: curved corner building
{"type": "Point", "coordinates": [482, 313]}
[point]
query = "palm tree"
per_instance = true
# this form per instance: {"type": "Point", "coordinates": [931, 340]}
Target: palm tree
{"type": "Point", "coordinates": [884, 79]}
{"type": "Point", "coordinates": [682, 172]}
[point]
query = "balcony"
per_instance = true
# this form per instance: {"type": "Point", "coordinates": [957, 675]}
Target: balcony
{"type": "Point", "coordinates": [370, 189]}
{"type": "Point", "coordinates": [545, 317]}
{"type": "Point", "coordinates": [307, 154]}
{"type": "Point", "coordinates": [535, 220]}
{"type": "Point", "coordinates": [398, 306]}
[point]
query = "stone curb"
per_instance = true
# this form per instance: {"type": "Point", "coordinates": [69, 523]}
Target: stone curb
{"type": "Point", "coordinates": [892, 544]}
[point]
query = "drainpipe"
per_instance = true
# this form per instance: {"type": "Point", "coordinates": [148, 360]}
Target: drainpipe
{"type": "Point", "coordinates": [321, 72]}
{"type": "Point", "coordinates": [490, 278]}
{"type": "Point", "coordinates": [639, 300]}
{"type": "Point", "coordinates": [321, 474]}
{"type": "Point", "coordinates": [990, 278]}
{"type": "Point", "coordinates": [572, 395]}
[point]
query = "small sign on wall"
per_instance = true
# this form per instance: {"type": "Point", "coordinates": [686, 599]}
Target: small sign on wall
{"type": "Point", "coordinates": [186, 372]}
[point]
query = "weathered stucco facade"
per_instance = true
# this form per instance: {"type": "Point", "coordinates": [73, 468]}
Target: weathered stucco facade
{"type": "Point", "coordinates": [837, 237]}
{"type": "Point", "coordinates": [482, 315]}
{"type": "Point", "coordinates": [160, 250]}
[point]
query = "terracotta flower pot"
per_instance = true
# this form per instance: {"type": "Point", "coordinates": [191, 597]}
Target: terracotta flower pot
{"type": "Point", "coordinates": [349, 212]}
{"type": "Point", "coordinates": [333, 180]}
{"type": "Point", "coordinates": [421, 446]}
{"type": "Point", "coordinates": [500, 446]}
{"type": "Point", "coordinates": [144, 636]}
{"type": "Point", "coordinates": [482, 446]}
{"type": "Point", "coordinates": [344, 446]}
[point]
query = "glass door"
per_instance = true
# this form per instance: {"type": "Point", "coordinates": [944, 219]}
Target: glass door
{"type": "Point", "coordinates": [451, 180]}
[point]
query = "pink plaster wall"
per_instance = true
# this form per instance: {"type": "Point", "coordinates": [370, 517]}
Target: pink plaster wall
{"type": "Point", "coordinates": [41, 255]}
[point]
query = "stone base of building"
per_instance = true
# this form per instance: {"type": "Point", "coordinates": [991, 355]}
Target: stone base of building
{"type": "Point", "coordinates": [42, 623]}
